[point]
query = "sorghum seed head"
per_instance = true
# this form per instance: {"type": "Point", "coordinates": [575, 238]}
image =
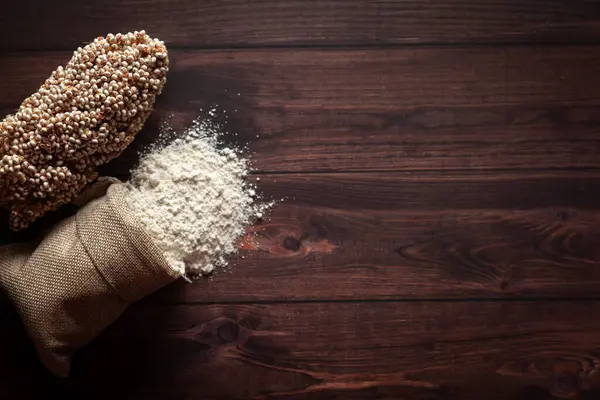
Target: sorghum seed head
{"type": "Point", "coordinates": [50, 147]}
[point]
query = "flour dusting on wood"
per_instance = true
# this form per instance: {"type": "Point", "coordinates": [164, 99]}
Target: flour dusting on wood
{"type": "Point", "coordinates": [193, 198]}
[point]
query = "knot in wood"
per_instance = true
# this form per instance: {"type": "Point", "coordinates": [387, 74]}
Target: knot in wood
{"type": "Point", "coordinates": [291, 243]}
{"type": "Point", "coordinates": [566, 385]}
{"type": "Point", "coordinates": [228, 331]}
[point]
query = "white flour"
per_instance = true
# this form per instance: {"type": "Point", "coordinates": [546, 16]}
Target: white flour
{"type": "Point", "coordinates": [192, 198]}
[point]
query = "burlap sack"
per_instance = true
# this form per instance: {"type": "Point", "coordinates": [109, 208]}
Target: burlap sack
{"type": "Point", "coordinates": [70, 285]}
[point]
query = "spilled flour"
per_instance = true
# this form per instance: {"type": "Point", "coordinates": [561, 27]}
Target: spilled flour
{"type": "Point", "coordinates": [192, 197]}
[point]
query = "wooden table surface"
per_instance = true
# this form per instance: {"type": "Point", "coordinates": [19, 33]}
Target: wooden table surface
{"type": "Point", "coordinates": [440, 237]}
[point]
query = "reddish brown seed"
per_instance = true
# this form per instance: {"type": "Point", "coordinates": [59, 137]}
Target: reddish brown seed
{"type": "Point", "coordinates": [89, 98]}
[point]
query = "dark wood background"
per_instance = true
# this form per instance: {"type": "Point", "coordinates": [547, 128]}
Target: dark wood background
{"type": "Point", "coordinates": [440, 235]}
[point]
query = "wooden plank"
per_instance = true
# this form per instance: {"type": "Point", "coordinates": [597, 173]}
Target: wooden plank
{"type": "Point", "coordinates": [413, 236]}
{"type": "Point", "coordinates": [429, 350]}
{"type": "Point", "coordinates": [406, 109]}
{"type": "Point", "coordinates": [295, 22]}
{"type": "Point", "coordinates": [393, 236]}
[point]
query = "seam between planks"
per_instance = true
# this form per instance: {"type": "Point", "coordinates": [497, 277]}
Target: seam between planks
{"type": "Point", "coordinates": [335, 46]}
{"type": "Point", "coordinates": [554, 299]}
{"type": "Point", "coordinates": [457, 171]}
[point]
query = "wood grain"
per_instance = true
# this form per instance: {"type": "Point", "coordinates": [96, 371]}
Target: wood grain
{"type": "Point", "coordinates": [404, 109]}
{"type": "Point", "coordinates": [423, 350]}
{"type": "Point", "coordinates": [297, 23]}
{"type": "Point", "coordinates": [439, 165]}
{"type": "Point", "coordinates": [418, 236]}
{"type": "Point", "coordinates": [393, 236]}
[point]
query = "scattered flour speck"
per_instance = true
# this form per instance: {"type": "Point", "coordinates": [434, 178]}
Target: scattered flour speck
{"type": "Point", "coordinates": [192, 197]}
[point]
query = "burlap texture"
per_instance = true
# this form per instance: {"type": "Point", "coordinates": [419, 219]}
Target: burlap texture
{"type": "Point", "coordinates": [69, 286]}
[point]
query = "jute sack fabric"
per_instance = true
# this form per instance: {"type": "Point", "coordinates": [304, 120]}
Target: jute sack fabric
{"type": "Point", "coordinates": [73, 283]}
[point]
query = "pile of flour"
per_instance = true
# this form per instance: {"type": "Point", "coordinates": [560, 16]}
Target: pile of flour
{"type": "Point", "coordinates": [192, 197]}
